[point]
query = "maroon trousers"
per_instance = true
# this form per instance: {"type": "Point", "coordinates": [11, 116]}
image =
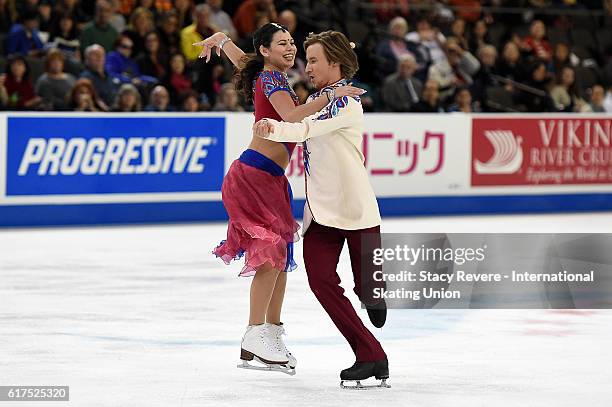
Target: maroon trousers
{"type": "Point", "coordinates": [322, 247]}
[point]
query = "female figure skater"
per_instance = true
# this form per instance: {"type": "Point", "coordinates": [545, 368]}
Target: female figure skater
{"type": "Point", "coordinates": [257, 195]}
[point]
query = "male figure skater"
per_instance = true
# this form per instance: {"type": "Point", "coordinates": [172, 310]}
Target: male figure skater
{"type": "Point", "coordinates": [340, 202]}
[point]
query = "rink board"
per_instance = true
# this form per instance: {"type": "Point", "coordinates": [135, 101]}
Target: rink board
{"type": "Point", "coordinates": [68, 169]}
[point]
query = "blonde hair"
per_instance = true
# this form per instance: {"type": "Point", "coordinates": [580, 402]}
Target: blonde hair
{"type": "Point", "coordinates": [337, 48]}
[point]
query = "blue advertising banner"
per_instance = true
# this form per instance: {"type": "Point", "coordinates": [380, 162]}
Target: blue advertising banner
{"type": "Point", "coordinates": [96, 155]}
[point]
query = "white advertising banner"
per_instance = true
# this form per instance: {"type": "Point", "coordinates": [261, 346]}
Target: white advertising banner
{"type": "Point", "coordinates": [409, 155]}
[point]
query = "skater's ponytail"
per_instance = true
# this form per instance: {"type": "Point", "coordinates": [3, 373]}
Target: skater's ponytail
{"type": "Point", "coordinates": [252, 64]}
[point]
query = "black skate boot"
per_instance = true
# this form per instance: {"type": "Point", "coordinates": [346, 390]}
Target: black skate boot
{"type": "Point", "coordinates": [377, 314]}
{"type": "Point", "coordinates": [364, 370]}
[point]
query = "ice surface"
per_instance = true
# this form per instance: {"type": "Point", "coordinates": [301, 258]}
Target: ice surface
{"type": "Point", "coordinates": [146, 316]}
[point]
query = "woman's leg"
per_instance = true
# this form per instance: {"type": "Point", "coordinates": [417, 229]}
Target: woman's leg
{"type": "Point", "coordinates": [262, 288]}
{"type": "Point", "coordinates": [273, 314]}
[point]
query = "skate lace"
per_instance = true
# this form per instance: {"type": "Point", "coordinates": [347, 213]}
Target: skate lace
{"type": "Point", "coordinates": [266, 341]}
{"type": "Point", "coordinates": [279, 332]}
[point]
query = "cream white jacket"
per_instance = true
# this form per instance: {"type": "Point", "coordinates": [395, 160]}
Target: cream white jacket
{"type": "Point", "coordinates": [338, 192]}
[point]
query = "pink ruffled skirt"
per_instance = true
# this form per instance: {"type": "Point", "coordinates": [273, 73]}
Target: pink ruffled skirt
{"type": "Point", "coordinates": [258, 200]}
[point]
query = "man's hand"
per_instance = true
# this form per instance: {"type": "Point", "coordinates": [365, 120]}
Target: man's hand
{"type": "Point", "coordinates": [263, 128]}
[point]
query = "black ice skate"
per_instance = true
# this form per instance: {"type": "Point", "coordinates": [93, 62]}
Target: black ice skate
{"type": "Point", "coordinates": [364, 370]}
{"type": "Point", "coordinates": [377, 314]}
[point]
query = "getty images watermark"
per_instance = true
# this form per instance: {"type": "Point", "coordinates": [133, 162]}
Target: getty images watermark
{"type": "Point", "coordinates": [487, 270]}
{"type": "Point", "coordinates": [34, 393]}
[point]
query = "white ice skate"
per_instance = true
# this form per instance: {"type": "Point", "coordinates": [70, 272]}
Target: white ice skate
{"type": "Point", "coordinates": [256, 345]}
{"type": "Point", "coordinates": [276, 335]}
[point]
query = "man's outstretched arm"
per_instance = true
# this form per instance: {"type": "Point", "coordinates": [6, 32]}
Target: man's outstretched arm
{"type": "Point", "coordinates": [342, 113]}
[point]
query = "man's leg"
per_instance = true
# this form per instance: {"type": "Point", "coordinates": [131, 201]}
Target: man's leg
{"type": "Point", "coordinates": [363, 288]}
{"type": "Point", "coordinates": [322, 247]}
{"type": "Point", "coordinates": [362, 262]}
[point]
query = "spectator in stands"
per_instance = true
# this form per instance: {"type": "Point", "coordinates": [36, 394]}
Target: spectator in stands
{"type": "Point", "coordinates": [431, 38]}
{"type": "Point", "coordinates": [178, 83]}
{"type": "Point", "coordinates": [597, 100]}
{"type": "Point", "coordinates": [3, 93]}
{"type": "Point", "coordinates": [100, 31]}
{"type": "Point", "coordinates": [127, 99]}
{"type": "Point", "coordinates": [536, 97]}
{"type": "Point", "coordinates": [386, 10]}
{"type": "Point", "coordinates": [44, 10]}
{"type": "Point", "coordinates": [64, 37]}
{"type": "Point", "coordinates": [536, 44]}
{"type": "Point", "coordinates": [18, 85]}
{"type": "Point", "coordinates": [121, 67]}
{"type": "Point", "coordinates": [458, 30]}
{"type": "Point", "coordinates": [468, 10]}
{"type": "Point", "coordinates": [463, 102]}
{"type": "Point", "coordinates": [197, 31]}
{"type": "Point", "coordinates": [25, 38]}
{"type": "Point", "coordinates": [189, 102]}
{"type": "Point", "coordinates": [227, 100]}
{"type": "Point", "coordinates": [54, 84]}
{"type": "Point", "coordinates": [153, 61]}
{"type": "Point", "coordinates": [401, 90]}
{"type": "Point", "coordinates": [149, 5]}
{"type": "Point", "coordinates": [608, 100]}
{"type": "Point", "coordinates": [430, 103]}
{"type": "Point", "coordinates": [457, 70]}
{"type": "Point", "coordinates": [479, 37]}
{"type": "Point", "coordinates": [566, 93]}
{"type": "Point", "coordinates": [8, 15]}
{"type": "Point", "coordinates": [511, 65]}
{"type": "Point", "coordinates": [159, 100]}
{"type": "Point", "coordinates": [245, 19]}
{"type": "Point", "coordinates": [141, 23]}
{"type": "Point", "coordinates": [221, 19]}
{"type": "Point", "coordinates": [486, 75]}
{"type": "Point", "coordinates": [26, 6]}
{"type": "Point", "coordinates": [562, 57]}
{"type": "Point", "coordinates": [161, 6]}
{"type": "Point", "coordinates": [73, 8]}
{"type": "Point", "coordinates": [184, 12]}
{"type": "Point", "coordinates": [389, 51]}
{"type": "Point", "coordinates": [83, 98]}
{"type": "Point", "coordinates": [117, 20]}
{"type": "Point", "coordinates": [301, 91]}
{"type": "Point", "coordinates": [95, 59]}
{"type": "Point", "coordinates": [169, 36]}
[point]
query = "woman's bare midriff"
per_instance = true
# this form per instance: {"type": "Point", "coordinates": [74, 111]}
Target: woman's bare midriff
{"type": "Point", "coordinates": [274, 151]}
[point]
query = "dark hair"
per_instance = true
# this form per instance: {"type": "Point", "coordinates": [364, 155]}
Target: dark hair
{"type": "Point", "coordinates": [14, 58]}
{"type": "Point", "coordinates": [252, 64]}
{"type": "Point", "coordinates": [56, 30]}
{"type": "Point", "coordinates": [120, 39]}
{"type": "Point", "coordinates": [460, 89]}
{"type": "Point", "coordinates": [574, 89]}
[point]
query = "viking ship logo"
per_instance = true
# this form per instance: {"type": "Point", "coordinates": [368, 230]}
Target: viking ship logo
{"type": "Point", "coordinates": [507, 157]}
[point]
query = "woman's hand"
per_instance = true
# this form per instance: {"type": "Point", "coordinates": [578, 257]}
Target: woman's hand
{"type": "Point", "coordinates": [263, 128]}
{"type": "Point", "coordinates": [209, 43]}
{"type": "Point", "coordinates": [348, 90]}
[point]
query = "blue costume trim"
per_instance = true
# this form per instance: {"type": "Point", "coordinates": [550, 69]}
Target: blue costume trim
{"type": "Point", "coordinates": [272, 81]}
{"type": "Point", "coordinates": [258, 160]}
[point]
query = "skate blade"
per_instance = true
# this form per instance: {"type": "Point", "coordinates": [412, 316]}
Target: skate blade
{"type": "Point", "coordinates": [358, 386]}
{"type": "Point", "coordinates": [270, 368]}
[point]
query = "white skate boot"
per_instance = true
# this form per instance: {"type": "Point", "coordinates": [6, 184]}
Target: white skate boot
{"type": "Point", "coordinates": [276, 335]}
{"type": "Point", "coordinates": [256, 345]}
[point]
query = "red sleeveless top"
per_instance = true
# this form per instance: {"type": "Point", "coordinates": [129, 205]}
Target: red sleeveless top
{"type": "Point", "coordinates": [266, 84]}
